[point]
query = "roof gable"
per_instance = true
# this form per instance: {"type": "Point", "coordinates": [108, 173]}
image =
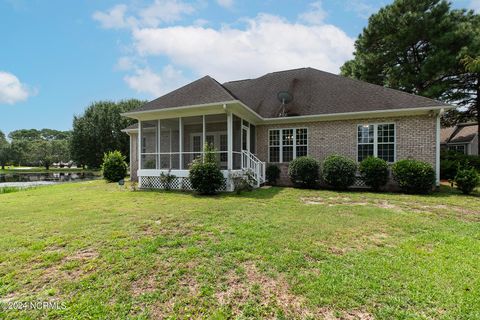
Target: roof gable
{"type": "Point", "coordinates": [202, 91]}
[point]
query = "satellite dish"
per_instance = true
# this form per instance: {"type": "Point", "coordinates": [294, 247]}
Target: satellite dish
{"type": "Point", "coordinates": [285, 98]}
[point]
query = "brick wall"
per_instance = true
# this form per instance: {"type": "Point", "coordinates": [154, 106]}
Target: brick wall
{"type": "Point", "coordinates": [415, 136]}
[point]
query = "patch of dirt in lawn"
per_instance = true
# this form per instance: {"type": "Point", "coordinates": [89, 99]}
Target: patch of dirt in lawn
{"type": "Point", "coordinates": [274, 291]}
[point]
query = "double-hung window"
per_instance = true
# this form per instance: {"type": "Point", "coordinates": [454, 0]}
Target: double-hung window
{"type": "Point", "coordinates": [376, 140]}
{"type": "Point", "coordinates": [284, 145]}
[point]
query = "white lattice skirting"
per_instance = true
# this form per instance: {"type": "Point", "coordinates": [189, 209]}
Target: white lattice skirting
{"type": "Point", "coordinates": [179, 183]}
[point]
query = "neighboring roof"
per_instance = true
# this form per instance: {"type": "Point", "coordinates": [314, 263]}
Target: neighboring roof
{"type": "Point", "coordinates": [446, 133]}
{"type": "Point", "coordinates": [314, 93]}
{"type": "Point", "coordinates": [202, 91]}
{"type": "Point", "coordinates": [462, 133]}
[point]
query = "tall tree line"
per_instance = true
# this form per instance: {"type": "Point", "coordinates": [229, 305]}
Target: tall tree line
{"type": "Point", "coordinates": [34, 147]}
{"type": "Point", "coordinates": [426, 48]}
{"type": "Point", "coordinates": [98, 130]}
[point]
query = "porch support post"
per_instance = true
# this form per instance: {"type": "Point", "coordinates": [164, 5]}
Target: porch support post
{"type": "Point", "coordinates": [158, 145]}
{"type": "Point", "coordinates": [180, 137]}
{"type": "Point", "coordinates": [203, 137]}
{"type": "Point", "coordinates": [437, 148]}
{"type": "Point", "coordinates": [229, 139]}
{"type": "Point", "coordinates": [139, 150]}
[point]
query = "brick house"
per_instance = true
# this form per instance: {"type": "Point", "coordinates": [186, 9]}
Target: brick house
{"type": "Point", "coordinates": [276, 118]}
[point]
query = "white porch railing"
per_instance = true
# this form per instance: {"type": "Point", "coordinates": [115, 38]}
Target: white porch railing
{"type": "Point", "coordinates": [252, 163]}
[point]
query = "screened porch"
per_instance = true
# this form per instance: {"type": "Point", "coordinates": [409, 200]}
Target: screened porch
{"type": "Point", "coordinates": [172, 144]}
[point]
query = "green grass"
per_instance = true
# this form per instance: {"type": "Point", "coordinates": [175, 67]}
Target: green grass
{"type": "Point", "coordinates": [9, 189]}
{"type": "Point", "coordinates": [110, 253]}
{"type": "Point", "coordinates": [43, 170]}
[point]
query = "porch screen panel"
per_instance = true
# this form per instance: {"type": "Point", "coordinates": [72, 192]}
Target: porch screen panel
{"type": "Point", "coordinates": [169, 144]}
{"type": "Point", "coordinates": [237, 142]}
{"type": "Point", "coordinates": [149, 143]}
{"type": "Point", "coordinates": [192, 139]}
{"type": "Point", "coordinates": [216, 135]}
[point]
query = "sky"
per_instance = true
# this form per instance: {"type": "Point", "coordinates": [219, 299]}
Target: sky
{"type": "Point", "coordinates": [57, 56]}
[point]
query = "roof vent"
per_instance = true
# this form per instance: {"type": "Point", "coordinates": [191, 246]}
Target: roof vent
{"type": "Point", "coordinates": [285, 98]}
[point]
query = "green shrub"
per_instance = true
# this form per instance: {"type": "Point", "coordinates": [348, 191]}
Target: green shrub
{"type": "Point", "coordinates": [166, 180]}
{"type": "Point", "coordinates": [467, 180]}
{"type": "Point", "coordinates": [451, 161]}
{"type": "Point", "coordinates": [114, 167]}
{"type": "Point", "coordinates": [303, 172]}
{"type": "Point", "coordinates": [272, 173]}
{"type": "Point", "coordinates": [243, 181]}
{"type": "Point", "coordinates": [339, 172]}
{"type": "Point", "coordinates": [374, 172]}
{"type": "Point", "coordinates": [205, 174]}
{"type": "Point", "coordinates": [414, 176]}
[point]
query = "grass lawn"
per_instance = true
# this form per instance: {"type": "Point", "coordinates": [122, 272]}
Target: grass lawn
{"type": "Point", "coordinates": [107, 252]}
{"type": "Point", "coordinates": [43, 170]}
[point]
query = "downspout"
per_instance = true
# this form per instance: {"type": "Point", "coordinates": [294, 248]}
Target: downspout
{"type": "Point", "coordinates": [437, 148]}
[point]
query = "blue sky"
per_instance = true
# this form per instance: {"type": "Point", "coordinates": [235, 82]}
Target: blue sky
{"type": "Point", "coordinates": [56, 57]}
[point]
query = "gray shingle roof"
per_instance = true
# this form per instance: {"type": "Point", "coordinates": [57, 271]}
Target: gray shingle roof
{"type": "Point", "coordinates": [202, 91]}
{"type": "Point", "coordinates": [317, 92]}
{"type": "Point", "coordinates": [464, 133]}
{"type": "Point", "coordinates": [314, 93]}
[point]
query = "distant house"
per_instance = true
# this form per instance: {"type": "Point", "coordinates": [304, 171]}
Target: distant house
{"type": "Point", "coordinates": [276, 118]}
{"type": "Point", "coordinates": [461, 138]}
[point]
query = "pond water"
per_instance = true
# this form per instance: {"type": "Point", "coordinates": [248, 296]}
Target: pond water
{"type": "Point", "coordinates": [32, 179]}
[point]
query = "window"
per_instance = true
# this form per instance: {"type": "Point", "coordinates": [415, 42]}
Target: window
{"type": "Point", "coordinates": [376, 140]}
{"type": "Point", "coordinates": [457, 148]}
{"type": "Point", "coordinates": [284, 145]}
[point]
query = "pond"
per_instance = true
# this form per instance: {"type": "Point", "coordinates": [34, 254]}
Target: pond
{"type": "Point", "coordinates": [33, 179]}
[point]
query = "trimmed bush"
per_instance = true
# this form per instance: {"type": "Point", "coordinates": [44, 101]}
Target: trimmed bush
{"type": "Point", "coordinates": [375, 172]}
{"type": "Point", "coordinates": [452, 161]}
{"type": "Point", "coordinates": [339, 172]}
{"type": "Point", "coordinates": [304, 172]}
{"type": "Point", "coordinates": [114, 167]}
{"type": "Point", "coordinates": [414, 176]}
{"type": "Point", "coordinates": [272, 173]}
{"type": "Point", "coordinates": [467, 180]}
{"type": "Point", "coordinates": [205, 174]}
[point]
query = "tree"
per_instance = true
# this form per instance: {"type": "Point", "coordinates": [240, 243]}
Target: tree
{"type": "Point", "coordinates": [47, 152]}
{"type": "Point", "coordinates": [5, 152]}
{"type": "Point", "coordinates": [472, 67]}
{"type": "Point", "coordinates": [417, 46]}
{"type": "Point", "coordinates": [98, 131]}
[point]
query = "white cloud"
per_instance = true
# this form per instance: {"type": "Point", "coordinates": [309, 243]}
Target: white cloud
{"type": "Point", "coordinates": [146, 81]}
{"type": "Point", "coordinates": [164, 11]}
{"type": "Point", "coordinates": [226, 3]}
{"type": "Point", "coordinates": [12, 90]}
{"type": "Point", "coordinates": [113, 18]}
{"type": "Point", "coordinates": [475, 5]}
{"type": "Point", "coordinates": [160, 11]}
{"type": "Point", "coordinates": [267, 43]}
{"type": "Point", "coordinates": [315, 15]}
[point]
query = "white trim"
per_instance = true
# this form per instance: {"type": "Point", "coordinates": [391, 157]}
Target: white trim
{"type": "Point", "coordinates": [230, 139]}
{"type": "Point", "coordinates": [316, 117]}
{"type": "Point", "coordinates": [375, 139]}
{"type": "Point", "coordinates": [294, 145]}
{"type": "Point", "coordinates": [180, 138]}
{"type": "Point", "coordinates": [139, 148]}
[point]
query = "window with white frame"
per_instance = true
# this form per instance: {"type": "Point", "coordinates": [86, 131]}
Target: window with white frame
{"type": "Point", "coordinates": [457, 148]}
{"type": "Point", "coordinates": [376, 140]}
{"type": "Point", "coordinates": [284, 145]}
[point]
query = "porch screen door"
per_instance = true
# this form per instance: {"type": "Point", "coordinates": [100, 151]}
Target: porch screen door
{"type": "Point", "coordinates": [245, 138]}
